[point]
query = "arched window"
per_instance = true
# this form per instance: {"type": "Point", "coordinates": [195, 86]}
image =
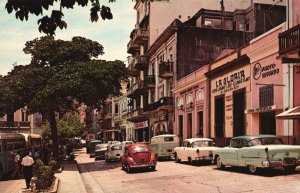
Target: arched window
{"type": "Point", "coordinates": [189, 99]}
{"type": "Point", "coordinates": [179, 101]}
{"type": "Point", "coordinates": [200, 95]}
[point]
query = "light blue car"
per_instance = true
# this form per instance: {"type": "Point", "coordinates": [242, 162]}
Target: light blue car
{"type": "Point", "coordinates": [256, 152]}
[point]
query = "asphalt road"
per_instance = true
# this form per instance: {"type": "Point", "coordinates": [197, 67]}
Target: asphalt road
{"type": "Point", "coordinates": [99, 176]}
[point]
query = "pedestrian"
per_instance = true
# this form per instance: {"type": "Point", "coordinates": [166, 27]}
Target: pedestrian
{"type": "Point", "coordinates": [17, 162]}
{"type": "Point", "coordinates": [27, 163]}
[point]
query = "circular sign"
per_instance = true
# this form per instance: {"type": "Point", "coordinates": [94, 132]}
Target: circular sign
{"type": "Point", "coordinates": [257, 71]}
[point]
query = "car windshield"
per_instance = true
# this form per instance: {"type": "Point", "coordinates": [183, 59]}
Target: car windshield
{"type": "Point", "coordinates": [116, 147]}
{"type": "Point", "coordinates": [265, 141]}
{"type": "Point", "coordinates": [140, 150]}
{"type": "Point", "coordinates": [202, 144]}
{"type": "Point", "coordinates": [101, 147]}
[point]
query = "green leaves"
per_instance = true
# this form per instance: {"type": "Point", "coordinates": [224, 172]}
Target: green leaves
{"type": "Point", "coordinates": [49, 24]}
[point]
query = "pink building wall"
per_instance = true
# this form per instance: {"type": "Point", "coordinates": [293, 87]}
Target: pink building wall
{"type": "Point", "coordinates": [297, 97]}
{"type": "Point", "coordinates": [184, 87]}
{"type": "Point", "coordinates": [265, 56]}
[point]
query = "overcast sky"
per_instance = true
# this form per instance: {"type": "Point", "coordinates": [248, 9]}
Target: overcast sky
{"type": "Point", "coordinates": [112, 34]}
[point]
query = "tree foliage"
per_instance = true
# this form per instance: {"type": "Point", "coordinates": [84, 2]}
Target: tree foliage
{"type": "Point", "coordinates": [59, 73]}
{"type": "Point", "coordinates": [67, 127]}
{"type": "Point", "coordinates": [49, 24]}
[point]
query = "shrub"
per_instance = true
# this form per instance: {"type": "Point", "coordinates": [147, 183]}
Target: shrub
{"type": "Point", "coordinates": [53, 164]}
{"type": "Point", "coordinates": [45, 175]}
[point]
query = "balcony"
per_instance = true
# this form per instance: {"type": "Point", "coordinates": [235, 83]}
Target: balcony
{"type": "Point", "coordinates": [165, 103]}
{"type": "Point", "coordinates": [136, 89]}
{"type": "Point", "coordinates": [149, 108]}
{"type": "Point", "coordinates": [140, 62]}
{"type": "Point", "coordinates": [136, 115]}
{"type": "Point", "coordinates": [166, 70]}
{"type": "Point", "coordinates": [132, 48]}
{"type": "Point", "coordinates": [150, 81]}
{"type": "Point", "coordinates": [133, 71]}
{"type": "Point", "coordinates": [15, 126]}
{"type": "Point", "coordinates": [289, 45]}
{"type": "Point", "coordinates": [140, 36]}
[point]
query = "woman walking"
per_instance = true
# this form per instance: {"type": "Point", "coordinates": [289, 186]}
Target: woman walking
{"type": "Point", "coordinates": [27, 163]}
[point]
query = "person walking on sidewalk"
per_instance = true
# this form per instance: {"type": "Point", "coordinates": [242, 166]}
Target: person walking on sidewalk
{"type": "Point", "coordinates": [27, 163]}
{"type": "Point", "coordinates": [17, 170]}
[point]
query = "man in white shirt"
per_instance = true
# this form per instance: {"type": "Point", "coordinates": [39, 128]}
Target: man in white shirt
{"type": "Point", "coordinates": [27, 163]}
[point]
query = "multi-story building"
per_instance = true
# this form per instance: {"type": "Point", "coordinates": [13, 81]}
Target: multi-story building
{"type": "Point", "coordinates": [19, 121]}
{"type": "Point", "coordinates": [289, 54]}
{"type": "Point", "coordinates": [147, 88]}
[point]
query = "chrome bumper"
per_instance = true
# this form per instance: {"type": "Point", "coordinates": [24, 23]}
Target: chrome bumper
{"type": "Point", "coordinates": [284, 162]}
{"type": "Point", "coordinates": [142, 165]}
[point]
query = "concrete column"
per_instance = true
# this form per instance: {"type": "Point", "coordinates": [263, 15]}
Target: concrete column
{"type": "Point", "coordinates": [142, 102]}
{"type": "Point", "coordinates": [142, 50]}
{"type": "Point", "coordinates": [156, 70]}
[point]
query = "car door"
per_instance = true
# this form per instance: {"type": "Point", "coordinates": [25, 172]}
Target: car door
{"type": "Point", "coordinates": [243, 153]}
{"type": "Point", "coordinates": [229, 155]}
{"type": "Point", "coordinates": [180, 152]}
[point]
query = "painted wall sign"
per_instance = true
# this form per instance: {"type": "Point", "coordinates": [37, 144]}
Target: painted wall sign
{"type": "Point", "coordinates": [264, 71]}
{"type": "Point", "coordinates": [230, 82]}
{"type": "Point", "coordinates": [141, 125]}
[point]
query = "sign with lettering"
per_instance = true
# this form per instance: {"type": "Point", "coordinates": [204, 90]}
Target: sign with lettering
{"type": "Point", "coordinates": [264, 71]}
{"type": "Point", "coordinates": [141, 125]}
{"type": "Point", "coordinates": [230, 82]}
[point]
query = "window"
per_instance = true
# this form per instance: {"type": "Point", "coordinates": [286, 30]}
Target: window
{"type": "Point", "coordinates": [168, 139]}
{"type": "Point", "coordinates": [179, 101]}
{"type": "Point", "coordinates": [200, 95]}
{"type": "Point", "coordinates": [189, 99]}
{"type": "Point", "coordinates": [266, 96]}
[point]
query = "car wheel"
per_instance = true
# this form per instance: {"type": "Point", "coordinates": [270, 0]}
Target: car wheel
{"type": "Point", "coordinates": [153, 168]}
{"type": "Point", "coordinates": [190, 160]}
{"type": "Point", "coordinates": [252, 169]}
{"type": "Point", "coordinates": [177, 159]}
{"type": "Point", "coordinates": [289, 169]}
{"type": "Point", "coordinates": [219, 163]}
{"type": "Point", "coordinates": [1, 173]}
{"type": "Point", "coordinates": [128, 170]}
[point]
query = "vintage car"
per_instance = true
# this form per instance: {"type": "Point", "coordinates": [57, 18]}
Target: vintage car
{"type": "Point", "coordinates": [256, 152]}
{"type": "Point", "coordinates": [195, 149]}
{"type": "Point", "coordinates": [91, 147]}
{"type": "Point", "coordinates": [100, 151]}
{"type": "Point", "coordinates": [126, 143]}
{"type": "Point", "coordinates": [138, 155]}
{"type": "Point", "coordinates": [114, 152]}
{"type": "Point", "coordinates": [163, 145]}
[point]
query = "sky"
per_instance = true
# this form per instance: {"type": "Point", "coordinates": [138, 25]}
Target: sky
{"type": "Point", "coordinates": [112, 34]}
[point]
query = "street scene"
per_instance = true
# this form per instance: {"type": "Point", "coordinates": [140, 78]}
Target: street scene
{"type": "Point", "coordinates": [137, 96]}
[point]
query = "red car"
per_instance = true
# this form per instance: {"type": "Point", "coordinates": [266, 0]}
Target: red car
{"type": "Point", "coordinates": [138, 155]}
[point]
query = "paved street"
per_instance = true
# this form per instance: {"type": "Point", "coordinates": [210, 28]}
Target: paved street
{"type": "Point", "coordinates": [173, 177]}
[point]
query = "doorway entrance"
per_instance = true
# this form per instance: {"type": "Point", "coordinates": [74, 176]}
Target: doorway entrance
{"type": "Point", "coordinates": [238, 113]}
{"type": "Point", "coordinates": [219, 116]}
{"type": "Point", "coordinates": [267, 123]}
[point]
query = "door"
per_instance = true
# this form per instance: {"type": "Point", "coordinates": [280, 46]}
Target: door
{"type": "Point", "coordinates": [238, 113]}
{"type": "Point", "coordinates": [180, 118]}
{"type": "Point", "coordinates": [200, 124]}
{"type": "Point", "coordinates": [190, 125]}
{"type": "Point", "coordinates": [267, 123]}
{"type": "Point", "coordinates": [219, 116]}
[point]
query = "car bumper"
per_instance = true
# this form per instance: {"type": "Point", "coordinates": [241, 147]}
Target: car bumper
{"type": "Point", "coordinates": [281, 163]}
{"type": "Point", "coordinates": [114, 158]}
{"type": "Point", "coordinates": [142, 165]}
{"type": "Point", "coordinates": [208, 158]}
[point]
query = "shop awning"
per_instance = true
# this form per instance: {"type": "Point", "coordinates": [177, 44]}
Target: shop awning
{"type": "Point", "coordinates": [293, 113]}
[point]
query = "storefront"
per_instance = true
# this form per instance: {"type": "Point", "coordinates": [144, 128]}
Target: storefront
{"type": "Point", "coordinates": [141, 131]}
{"type": "Point", "coordinates": [229, 97]}
{"type": "Point", "coordinates": [191, 112]}
{"type": "Point", "coordinates": [267, 86]}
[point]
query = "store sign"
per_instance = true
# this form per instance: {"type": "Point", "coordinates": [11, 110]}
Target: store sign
{"type": "Point", "coordinates": [230, 82]}
{"type": "Point", "coordinates": [264, 71]}
{"type": "Point", "coordinates": [141, 125]}
{"type": "Point", "coordinates": [261, 109]}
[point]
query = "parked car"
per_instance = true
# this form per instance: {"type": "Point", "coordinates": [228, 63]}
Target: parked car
{"type": "Point", "coordinates": [256, 152]}
{"type": "Point", "coordinates": [138, 155]}
{"type": "Point", "coordinates": [114, 152]}
{"type": "Point", "coordinates": [126, 143]}
{"type": "Point", "coordinates": [163, 145]}
{"type": "Point", "coordinates": [91, 147]}
{"type": "Point", "coordinates": [195, 149]}
{"type": "Point", "coordinates": [100, 151]}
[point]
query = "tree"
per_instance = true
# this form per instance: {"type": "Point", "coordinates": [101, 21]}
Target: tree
{"type": "Point", "coordinates": [67, 127]}
{"type": "Point", "coordinates": [49, 24]}
{"type": "Point", "coordinates": [59, 73]}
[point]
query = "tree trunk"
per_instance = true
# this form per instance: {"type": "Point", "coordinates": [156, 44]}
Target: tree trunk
{"type": "Point", "coordinates": [53, 126]}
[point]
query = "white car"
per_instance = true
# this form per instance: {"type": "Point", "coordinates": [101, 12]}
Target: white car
{"type": "Point", "coordinates": [195, 149]}
{"type": "Point", "coordinates": [114, 152]}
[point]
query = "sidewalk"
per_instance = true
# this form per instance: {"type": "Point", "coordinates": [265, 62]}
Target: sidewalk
{"type": "Point", "coordinates": [70, 180]}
